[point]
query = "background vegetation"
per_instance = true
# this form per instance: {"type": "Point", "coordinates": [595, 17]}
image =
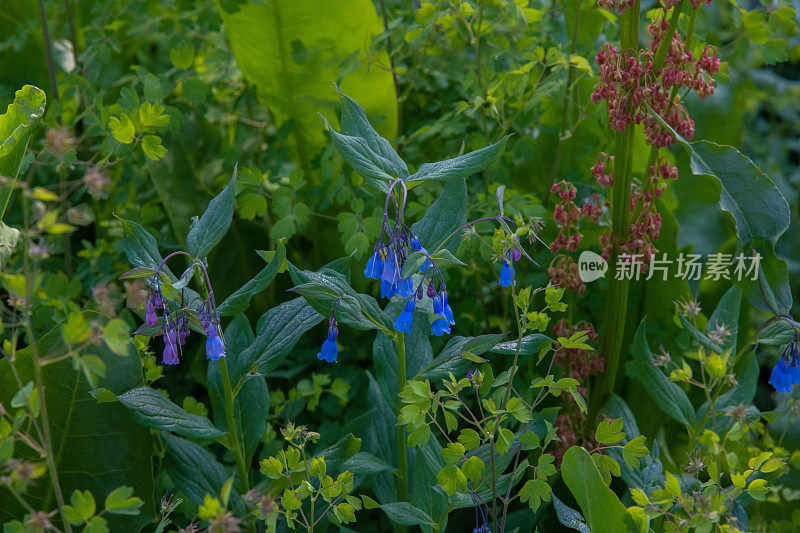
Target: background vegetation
{"type": "Point", "coordinates": [151, 105]}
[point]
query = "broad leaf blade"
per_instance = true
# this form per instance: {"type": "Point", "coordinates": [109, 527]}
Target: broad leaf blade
{"type": "Point", "coordinates": [603, 511]}
{"type": "Point", "coordinates": [462, 166]}
{"type": "Point", "coordinates": [239, 301]}
{"type": "Point", "coordinates": [206, 233]}
{"type": "Point", "coordinates": [669, 397]}
{"type": "Point", "coordinates": [151, 409]}
{"type": "Point", "coordinates": [16, 125]}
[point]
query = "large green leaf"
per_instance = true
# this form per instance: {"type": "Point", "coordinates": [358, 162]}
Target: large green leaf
{"type": "Point", "coordinates": [601, 507]}
{"type": "Point", "coordinates": [759, 209]}
{"type": "Point", "coordinates": [669, 397]}
{"type": "Point", "coordinates": [321, 289]}
{"type": "Point", "coordinates": [97, 447]}
{"type": "Point", "coordinates": [208, 230]}
{"type": "Point", "coordinates": [240, 300]}
{"type": "Point", "coordinates": [278, 331]}
{"type": "Point", "coordinates": [16, 125]}
{"type": "Point", "coordinates": [294, 52]}
{"type": "Point", "coordinates": [443, 217]}
{"type": "Point", "coordinates": [462, 166]}
{"type": "Point", "coordinates": [151, 409]}
{"type": "Point", "coordinates": [193, 469]}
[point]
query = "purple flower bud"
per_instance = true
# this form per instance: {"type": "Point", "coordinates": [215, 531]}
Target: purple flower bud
{"type": "Point", "coordinates": [431, 290]}
{"type": "Point", "coordinates": [150, 317]}
{"type": "Point", "coordinates": [516, 254]}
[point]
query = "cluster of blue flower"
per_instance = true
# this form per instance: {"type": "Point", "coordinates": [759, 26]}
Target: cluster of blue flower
{"type": "Point", "coordinates": [786, 373]}
{"type": "Point", "coordinates": [386, 264]}
{"type": "Point", "coordinates": [175, 326]}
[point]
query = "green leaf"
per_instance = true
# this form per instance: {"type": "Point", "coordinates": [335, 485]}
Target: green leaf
{"type": "Point", "coordinates": [122, 128]}
{"type": "Point", "coordinates": [341, 451]}
{"type": "Point", "coordinates": [239, 301]}
{"type": "Point", "coordinates": [98, 447]}
{"type": "Point", "coordinates": [122, 501]}
{"type": "Point", "coordinates": [355, 123]}
{"type": "Point", "coordinates": [609, 431]}
{"type": "Point", "coordinates": [293, 52]}
{"type": "Point", "coordinates": [365, 464]}
{"type": "Point", "coordinates": [141, 248]}
{"type": "Point", "coordinates": [462, 166]}
{"type": "Point", "coordinates": [473, 468]}
{"type": "Point", "coordinates": [569, 517]}
{"type": "Point", "coordinates": [531, 344]}
{"type": "Point", "coordinates": [206, 233]}
{"type": "Point", "coordinates": [375, 169]}
{"type": "Point", "coordinates": [452, 479]}
{"type": "Point", "coordinates": [758, 208]}
{"type": "Point", "coordinates": [16, 126]}
{"type": "Point", "coordinates": [321, 289]}
{"type": "Point", "coordinates": [152, 147]}
{"type": "Point", "coordinates": [8, 241]}
{"type": "Point", "coordinates": [193, 470]}
{"type": "Point", "coordinates": [443, 217]}
{"type": "Point", "coordinates": [603, 511]}
{"type": "Point", "coordinates": [182, 54]}
{"type": "Point", "coordinates": [405, 514]}
{"type": "Point", "coordinates": [278, 331]}
{"type": "Point", "coordinates": [453, 452]}
{"type": "Point", "coordinates": [505, 437]}
{"type": "Point", "coordinates": [116, 335]}
{"type": "Point", "coordinates": [669, 397]}
{"type": "Point", "coordinates": [634, 450]}
{"type": "Point", "coordinates": [535, 491]}
{"type": "Point", "coordinates": [727, 313]}
{"type": "Point", "coordinates": [151, 409]}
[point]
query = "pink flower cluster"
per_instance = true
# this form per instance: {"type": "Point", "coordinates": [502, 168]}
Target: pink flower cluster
{"type": "Point", "coordinates": [635, 89]}
{"type": "Point", "coordinates": [646, 225]}
{"type": "Point", "coordinates": [601, 171]}
{"type": "Point", "coordinates": [563, 271]}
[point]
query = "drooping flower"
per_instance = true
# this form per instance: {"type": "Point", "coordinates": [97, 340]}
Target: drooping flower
{"type": "Point", "coordinates": [390, 276]}
{"type": "Point", "coordinates": [440, 326]}
{"type": "Point", "coordinates": [448, 312]}
{"type": "Point", "coordinates": [405, 319]}
{"type": "Point", "coordinates": [171, 346]}
{"type": "Point", "coordinates": [416, 245]}
{"type": "Point", "coordinates": [507, 275]}
{"type": "Point", "coordinates": [374, 266]}
{"type": "Point", "coordinates": [405, 287]}
{"type": "Point", "coordinates": [330, 349]}
{"type": "Point", "coordinates": [150, 317]}
{"type": "Point", "coordinates": [214, 345]}
{"type": "Point", "coordinates": [782, 378]}
{"type": "Point", "coordinates": [786, 373]}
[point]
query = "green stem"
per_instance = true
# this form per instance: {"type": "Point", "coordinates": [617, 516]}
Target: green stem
{"type": "Point", "coordinates": [402, 482]}
{"type": "Point", "coordinates": [244, 483]}
{"type": "Point", "coordinates": [37, 372]}
{"type": "Point", "coordinates": [617, 300]}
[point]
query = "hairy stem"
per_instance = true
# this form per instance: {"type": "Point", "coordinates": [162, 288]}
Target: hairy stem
{"type": "Point", "coordinates": [617, 299]}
